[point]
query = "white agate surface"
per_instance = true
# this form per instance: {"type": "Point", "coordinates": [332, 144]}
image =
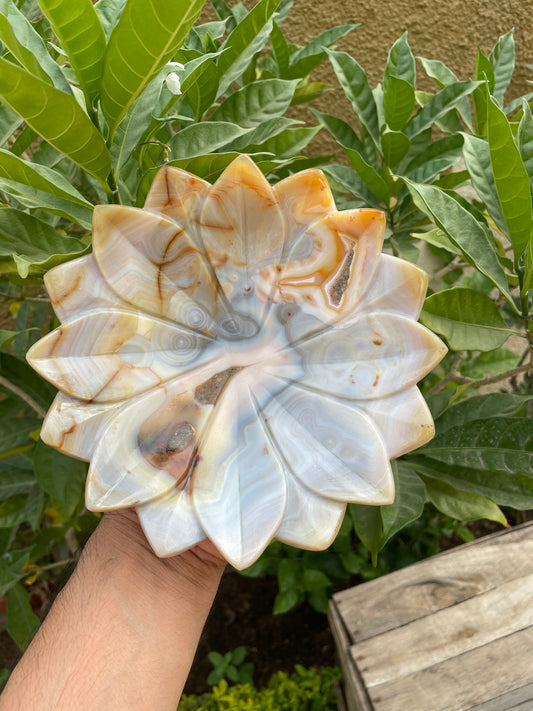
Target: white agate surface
{"type": "Point", "coordinates": [237, 361]}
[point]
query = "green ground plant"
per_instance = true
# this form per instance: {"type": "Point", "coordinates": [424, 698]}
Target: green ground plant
{"type": "Point", "coordinates": [230, 666]}
{"type": "Point", "coordinates": [304, 690]}
{"type": "Point", "coordinates": [88, 117]}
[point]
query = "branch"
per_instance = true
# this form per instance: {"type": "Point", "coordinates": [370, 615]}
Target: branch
{"type": "Point", "coordinates": [4, 383]}
{"type": "Point", "coordinates": [454, 377]}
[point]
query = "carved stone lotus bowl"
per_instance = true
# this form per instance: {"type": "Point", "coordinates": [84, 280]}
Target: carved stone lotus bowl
{"type": "Point", "coordinates": [237, 361]}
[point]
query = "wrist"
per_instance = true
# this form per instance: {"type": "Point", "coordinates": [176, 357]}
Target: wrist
{"type": "Point", "coordinates": [120, 540]}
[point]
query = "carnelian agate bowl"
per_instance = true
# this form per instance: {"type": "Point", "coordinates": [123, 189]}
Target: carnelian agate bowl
{"type": "Point", "coordinates": [237, 361]}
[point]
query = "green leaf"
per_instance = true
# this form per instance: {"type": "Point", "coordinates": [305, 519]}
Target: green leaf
{"type": "Point", "coordinates": [394, 146]}
{"type": "Point", "coordinates": [256, 103]}
{"type": "Point", "coordinates": [304, 60]}
{"type": "Point", "coordinates": [288, 574]}
{"type": "Point", "coordinates": [280, 50]}
{"type": "Point", "coordinates": [109, 12]}
{"type": "Point", "coordinates": [464, 231]}
{"type": "Point", "coordinates": [12, 568]}
{"type": "Point", "coordinates": [19, 373]}
{"type": "Point", "coordinates": [43, 187]}
{"type": "Point", "coordinates": [477, 159]}
{"type": "Point", "coordinates": [499, 444]}
{"type": "Point", "coordinates": [314, 580]}
{"type": "Point", "coordinates": [511, 179]}
{"type": "Point", "coordinates": [485, 73]}
{"type": "Point", "coordinates": [25, 44]}
{"type": "Point", "coordinates": [31, 246]}
{"type": "Point", "coordinates": [444, 76]}
{"type": "Point", "coordinates": [253, 141]}
{"type": "Point", "coordinates": [368, 527]}
{"type": "Point", "coordinates": [355, 85]}
{"type": "Point", "coordinates": [287, 143]}
{"type": "Point", "coordinates": [16, 481]}
{"type": "Point", "coordinates": [525, 141]}
{"type": "Point", "coordinates": [62, 477]}
{"type": "Point", "coordinates": [369, 175]}
{"type": "Point", "coordinates": [349, 180]}
{"type": "Point", "coordinates": [497, 361]}
{"type": "Point", "coordinates": [202, 138]}
{"type": "Point", "coordinates": [22, 623]}
{"type": "Point", "coordinates": [9, 122]}
{"type": "Point", "coordinates": [133, 126]}
{"type": "Point", "coordinates": [144, 40]}
{"type": "Point", "coordinates": [78, 28]}
{"type": "Point", "coordinates": [248, 37]}
{"type": "Point", "coordinates": [341, 131]}
{"type": "Point", "coordinates": [57, 117]}
{"type": "Point", "coordinates": [502, 59]}
{"type": "Point", "coordinates": [223, 11]}
{"type": "Point", "coordinates": [439, 239]}
{"type": "Point", "coordinates": [505, 489]}
{"type": "Point", "coordinates": [285, 601]}
{"type": "Point", "coordinates": [398, 103]}
{"type": "Point", "coordinates": [439, 105]}
{"type": "Point", "coordinates": [425, 158]}
{"type": "Point", "coordinates": [408, 502]}
{"type": "Point", "coordinates": [400, 62]}
{"type": "Point", "coordinates": [462, 505]}
{"type": "Point", "coordinates": [482, 407]}
{"type": "Point", "coordinates": [15, 433]}
{"type": "Point", "coordinates": [468, 319]}
{"type": "Point", "coordinates": [7, 337]}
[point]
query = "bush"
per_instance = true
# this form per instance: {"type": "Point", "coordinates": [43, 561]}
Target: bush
{"type": "Point", "coordinates": [305, 690]}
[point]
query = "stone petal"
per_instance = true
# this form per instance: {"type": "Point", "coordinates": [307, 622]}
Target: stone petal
{"type": "Point", "coordinates": [331, 266]}
{"type": "Point", "coordinates": [78, 287]}
{"type": "Point", "coordinates": [404, 420]}
{"type": "Point", "coordinates": [119, 475]}
{"type": "Point", "coordinates": [75, 427]}
{"type": "Point", "coordinates": [170, 523]}
{"type": "Point", "coordinates": [242, 231]}
{"type": "Point", "coordinates": [335, 450]}
{"type": "Point", "coordinates": [374, 356]}
{"type": "Point", "coordinates": [177, 195]}
{"type": "Point", "coordinates": [397, 287]}
{"type": "Point", "coordinates": [106, 356]}
{"type": "Point", "coordinates": [153, 264]}
{"type": "Point", "coordinates": [310, 521]}
{"type": "Point", "coordinates": [304, 198]}
{"type": "Point", "coordinates": [239, 487]}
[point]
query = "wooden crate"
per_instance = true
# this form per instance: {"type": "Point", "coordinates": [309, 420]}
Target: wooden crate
{"type": "Point", "coordinates": [451, 633]}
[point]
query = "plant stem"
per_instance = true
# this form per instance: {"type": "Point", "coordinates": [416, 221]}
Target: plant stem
{"type": "Point", "coordinates": [4, 383]}
{"type": "Point", "coordinates": [454, 264]}
{"type": "Point", "coordinates": [454, 377]}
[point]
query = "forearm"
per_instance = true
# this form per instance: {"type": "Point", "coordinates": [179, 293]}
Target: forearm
{"type": "Point", "coordinates": [123, 632]}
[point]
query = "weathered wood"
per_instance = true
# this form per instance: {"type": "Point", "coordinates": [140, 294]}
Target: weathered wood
{"type": "Point", "coordinates": [420, 589]}
{"type": "Point", "coordinates": [464, 682]}
{"type": "Point", "coordinates": [451, 633]}
{"type": "Point", "coordinates": [517, 700]}
{"type": "Point", "coordinates": [447, 633]}
{"type": "Point", "coordinates": [356, 696]}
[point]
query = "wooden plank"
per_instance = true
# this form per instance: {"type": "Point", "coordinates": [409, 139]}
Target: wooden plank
{"type": "Point", "coordinates": [516, 700]}
{"type": "Point", "coordinates": [438, 582]}
{"type": "Point", "coordinates": [355, 693]}
{"type": "Point", "coordinates": [464, 682]}
{"type": "Point", "coordinates": [446, 633]}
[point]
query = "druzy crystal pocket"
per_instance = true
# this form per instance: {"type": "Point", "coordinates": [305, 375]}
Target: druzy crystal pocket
{"type": "Point", "coordinates": [237, 361]}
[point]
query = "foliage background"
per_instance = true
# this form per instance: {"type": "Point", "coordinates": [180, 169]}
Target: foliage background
{"type": "Point", "coordinates": [79, 127]}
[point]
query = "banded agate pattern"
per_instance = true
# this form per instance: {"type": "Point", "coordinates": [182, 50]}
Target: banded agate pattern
{"type": "Point", "coordinates": [237, 361]}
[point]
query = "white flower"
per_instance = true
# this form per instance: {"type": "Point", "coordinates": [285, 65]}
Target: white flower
{"type": "Point", "coordinates": [174, 83]}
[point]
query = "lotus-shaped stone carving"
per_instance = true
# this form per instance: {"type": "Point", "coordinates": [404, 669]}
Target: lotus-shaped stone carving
{"type": "Point", "coordinates": [237, 361]}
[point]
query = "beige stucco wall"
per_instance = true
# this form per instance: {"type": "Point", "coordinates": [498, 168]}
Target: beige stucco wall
{"type": "Point", "coordinates": [450, 31]}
